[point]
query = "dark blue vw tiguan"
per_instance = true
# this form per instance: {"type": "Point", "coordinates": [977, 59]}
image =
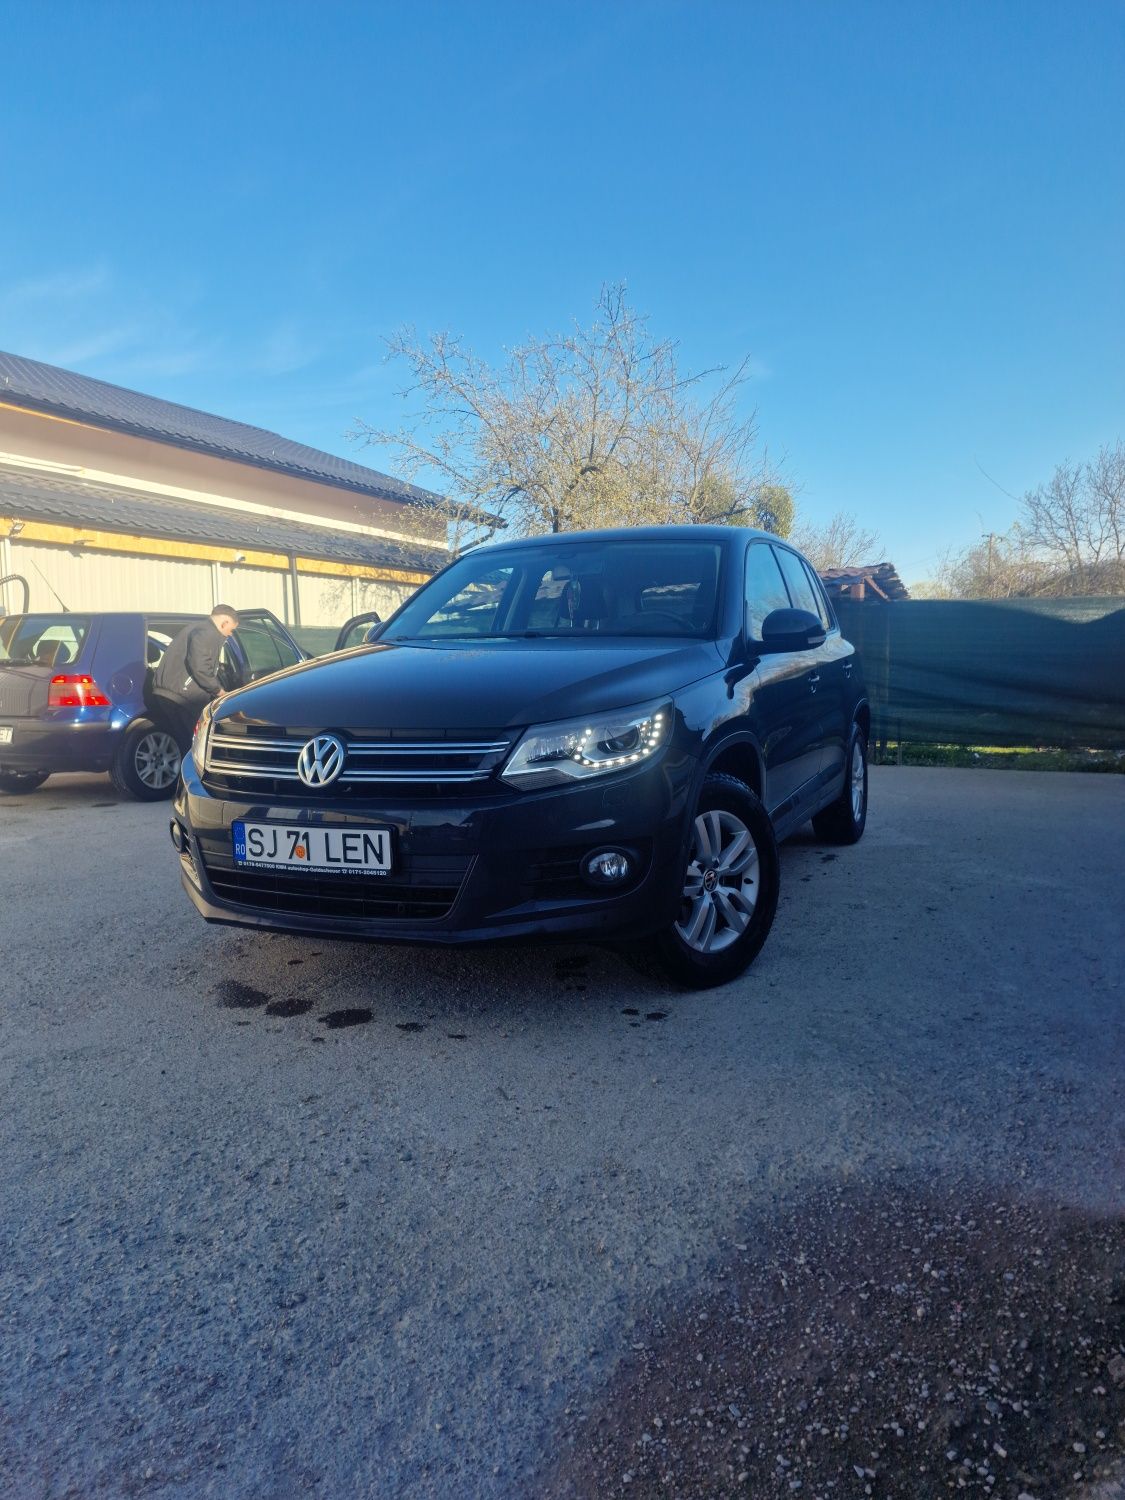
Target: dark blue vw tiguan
{"type": "Point", "coordinates": [596, 735]}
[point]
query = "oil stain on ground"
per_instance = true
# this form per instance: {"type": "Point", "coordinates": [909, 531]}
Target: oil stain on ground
{"type": "Point", "coordinates": [291, 1007]}
{"type": "Point", "coordinates": [232, 994]}
{"type": "Point", "coordinates": [410, 1026]}
{"type": "Point", "coordinates": [353, 1017]}
{"type": "Point", "coordinates": [880, 1339]}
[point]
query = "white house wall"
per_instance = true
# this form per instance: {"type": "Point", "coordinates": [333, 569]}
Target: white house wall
{"type": "Point", "coordinates": [110, 581]}
{"type": "Point", "coordinates": [261, 588]}
{"type": "Point", "coordinates": [93, 580]}
{"type": "Point", "coordinates": [330, 601]}
{"type": "Point", "coordinates": [385, 597]}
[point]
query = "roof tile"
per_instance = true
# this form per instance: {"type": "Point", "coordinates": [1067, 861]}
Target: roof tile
{"type": "Point", "coordinates": [42, 387]}
{"type": "Point", "coordinates": [72, 502]}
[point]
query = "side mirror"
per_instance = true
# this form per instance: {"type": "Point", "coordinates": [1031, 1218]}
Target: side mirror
{"type": "Point", "coordinates": [374, 632]}
{"type": "Point", "coordinates": [792, 630]}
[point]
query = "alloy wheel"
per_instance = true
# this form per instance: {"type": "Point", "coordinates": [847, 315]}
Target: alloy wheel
{"type": "Point", "coordinates": [157, 759]}
{"type": "Point", "coordinates": [859, 781]}
{"type": "Point", "coordinates": [721, 884]}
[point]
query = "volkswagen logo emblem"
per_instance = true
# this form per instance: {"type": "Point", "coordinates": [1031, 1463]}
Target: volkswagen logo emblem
{"type": "Point", "coordinates": [321, 760]}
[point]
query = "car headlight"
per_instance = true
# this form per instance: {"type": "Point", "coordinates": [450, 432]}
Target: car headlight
{"type": "Point", "coordinates": [553, 754]}
{"type": "Point", "coordinates": [201, 736]}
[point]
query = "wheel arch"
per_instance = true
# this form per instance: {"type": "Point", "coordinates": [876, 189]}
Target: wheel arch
{"type": "Point", "coordinates": [737, 755]}
{"type": "Point", "coordinates": [862, 717]}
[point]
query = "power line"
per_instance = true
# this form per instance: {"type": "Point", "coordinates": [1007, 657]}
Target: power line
{"type": "Point", "coordinates": [998, 485]}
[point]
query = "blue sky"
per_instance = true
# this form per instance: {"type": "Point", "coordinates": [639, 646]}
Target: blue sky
{"type": "Point", "coordinates": [912, 216]}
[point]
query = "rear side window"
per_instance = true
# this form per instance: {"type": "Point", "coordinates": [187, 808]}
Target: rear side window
{"type": "Point", "coordinates": [42, 640]}
{"type": "Point", "coordinates": [160, 631]}
{"type": "Point", "coordinates": [821, 602]}
{"type": "Point", "coordinates": [800, 589]}
{"type": "Point", "coordinates": [765, 590]}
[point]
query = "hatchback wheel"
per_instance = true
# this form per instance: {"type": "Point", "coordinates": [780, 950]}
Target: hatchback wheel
{"type": "Point", "coordinates": [14, 782]}
{"type": "Point", "coordinates": [146, 762]}
{"type": "Point", "coordinates": [844, 820]}
{"type": "Point", "coordinates": [730, 887]}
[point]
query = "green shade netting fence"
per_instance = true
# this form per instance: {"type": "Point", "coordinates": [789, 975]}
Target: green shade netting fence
{"type": "Point", "coordinates": [993, 672]}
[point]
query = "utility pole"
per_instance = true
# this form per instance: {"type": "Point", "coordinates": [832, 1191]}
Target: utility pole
{"type": "Point", "coordinates": [991, 535]}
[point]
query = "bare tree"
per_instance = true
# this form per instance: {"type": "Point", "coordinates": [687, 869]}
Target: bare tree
{"type": "Point", "coordinates": [596, 427]}
{"type": "Point", "coordinates": [840, 543]}
{"type": "Point", "coordinates": [999, 566]}
{"type": "Point", "coordinates": [1105, 481]}
{"type": "Point", "coordinates": [1076, 521]}
{"type": "Point", "coordinates": [1070, 540]}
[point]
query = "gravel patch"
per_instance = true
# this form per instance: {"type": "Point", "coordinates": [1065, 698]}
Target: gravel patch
{"type": "Point", "coordinates": [885, 1341]}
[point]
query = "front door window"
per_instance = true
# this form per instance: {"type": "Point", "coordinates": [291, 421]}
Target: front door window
{"type": "Point", "coordinates": [765, 590]}
{"type": "Point", "coordinates": [266, 650]}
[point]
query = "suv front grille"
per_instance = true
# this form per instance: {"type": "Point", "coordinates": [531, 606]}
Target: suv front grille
{"type": "Point", "coordinates": [424, 889]}
{"type": "Point", "coordinates": [265, 763]}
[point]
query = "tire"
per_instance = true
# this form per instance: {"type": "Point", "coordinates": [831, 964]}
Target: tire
{"type": "Point", "coordinates": [843, 821]}
{"type": "Point", "coordinates": [729, 894]}
{"type": "Point", "coordinates": [12, 783]}
{"type": "Point", "coordinates": [146, 762]}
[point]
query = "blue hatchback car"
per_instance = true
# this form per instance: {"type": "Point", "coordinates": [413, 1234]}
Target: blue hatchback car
{"type": "Point", "coordinates": [75, 693]}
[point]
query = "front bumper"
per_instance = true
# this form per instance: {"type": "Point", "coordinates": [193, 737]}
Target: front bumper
{"type": "Point", "coordinates": [466, 870]}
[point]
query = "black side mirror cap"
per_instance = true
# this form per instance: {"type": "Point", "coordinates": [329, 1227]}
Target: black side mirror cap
{"type": "Point", "coordinates": [792, 630]}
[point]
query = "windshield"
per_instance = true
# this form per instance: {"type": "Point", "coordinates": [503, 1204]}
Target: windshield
{"type": "Point", "coordinates": [569, 589]}
{"type": "Point", "coordinates": [42, 640]}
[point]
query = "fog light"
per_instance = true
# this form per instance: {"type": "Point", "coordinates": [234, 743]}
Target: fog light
{"type": "Point", "coordinates": [176, 834]}
{"type": "Point", "coordinates": [608, 867]}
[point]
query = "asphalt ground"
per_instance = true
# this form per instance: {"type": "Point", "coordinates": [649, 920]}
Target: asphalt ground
{"type": "Point", "coordinates": [255, 1244]}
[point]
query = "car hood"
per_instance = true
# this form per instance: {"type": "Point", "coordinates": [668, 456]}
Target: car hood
{"type": "Point", "coordinates": [471, 685]}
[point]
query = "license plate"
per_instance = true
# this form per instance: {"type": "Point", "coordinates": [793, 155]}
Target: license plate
{"type": "Point", "coordinates": [7, 734]}
{"type": "Point", "coordinates": [291, 846]}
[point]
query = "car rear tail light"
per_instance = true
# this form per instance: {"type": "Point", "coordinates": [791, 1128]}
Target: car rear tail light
{"type": "Point", "coordinates": [70, 691]}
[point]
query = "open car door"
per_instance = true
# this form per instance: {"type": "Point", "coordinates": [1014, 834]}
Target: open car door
{"type": "Point", "coordinates": [359, 628]}
{"type": "Point", "coordinates": [260, 646]}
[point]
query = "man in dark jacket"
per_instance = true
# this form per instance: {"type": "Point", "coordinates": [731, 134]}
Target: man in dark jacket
{"type": "Point", "coordinates": [188, 674]}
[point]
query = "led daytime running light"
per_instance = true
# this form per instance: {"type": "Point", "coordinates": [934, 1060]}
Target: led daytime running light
{"type": "Point", "coordinates": [649, 744]}
{"type": "Point", "coordinates": [564, 753]}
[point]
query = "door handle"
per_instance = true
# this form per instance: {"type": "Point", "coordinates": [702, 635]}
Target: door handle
{"type": "Point", "coordinates": [848, 668]}
{"type": "Point", "coordinates": [814, 678]}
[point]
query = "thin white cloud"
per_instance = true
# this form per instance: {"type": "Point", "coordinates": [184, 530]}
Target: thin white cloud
{"type": "Point", "coordinates": [168, 360]}
{"type": "Point", "coordinates": [93, 347]}
{"type": "Point", "coordinates": [57, 287]}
